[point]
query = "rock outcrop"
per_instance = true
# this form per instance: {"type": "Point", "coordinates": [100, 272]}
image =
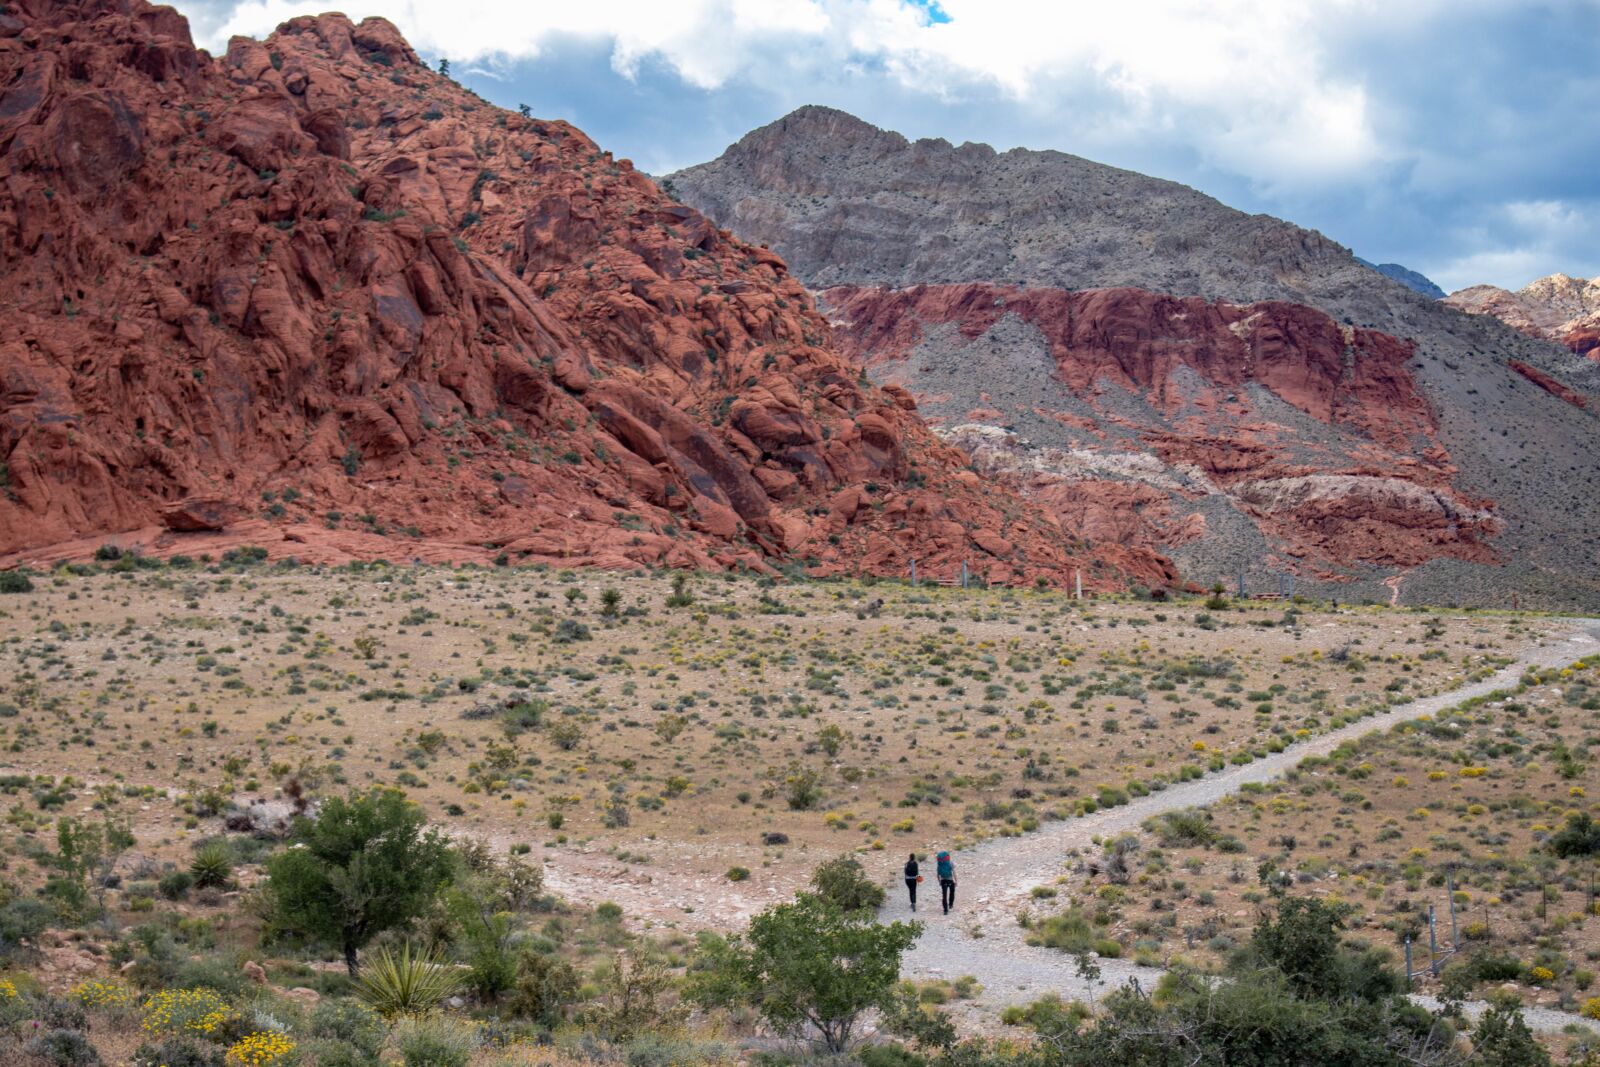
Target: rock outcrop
{"type": "Point", "coordinates": [1314, 432]}
{"type": "Point", "coordinates": [314, 296]}
{"type": "Point", "coordinates": [1157, 420]}
{"type": "Point", "coordinates": [1555, 308]}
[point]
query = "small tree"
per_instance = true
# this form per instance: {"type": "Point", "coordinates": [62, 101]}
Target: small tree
{"type": "Point", "coordinates": [843, 882]}
{"type": "Point", "coordinates": [364, 865]}
{"type": "Point", "coordinates": [1502, 1038]}
{"type": "Point", "coordinates": [610, 601]}
{"type": "Point", "coordinates": [807, 963]}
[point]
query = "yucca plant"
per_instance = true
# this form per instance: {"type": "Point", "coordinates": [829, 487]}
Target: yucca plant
{"type": "Point", "coordinates": [212, 866]}
{"type": "Point", "coordinates": [400, 983]}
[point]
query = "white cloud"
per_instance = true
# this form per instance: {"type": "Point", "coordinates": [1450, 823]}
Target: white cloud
{"type": "Point", "coordinates": [1247, 82]}
{"type": "Point", "coordinates": [1516, 242]}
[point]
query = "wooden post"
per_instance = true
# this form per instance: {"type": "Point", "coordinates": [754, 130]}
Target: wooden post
{"type": "Point", "coordinates": [1241, 584]}
{"type": "Point", "coordinates": [1433, 944]}
{"type": "Point", "coordinates": [913, 572]}
{"type": "Point", "coordinates": [1408, 963]}
{"type": "Point", "coordinates": [1079, 575]}
{"type": "Point", "coordinates": [963, 574]}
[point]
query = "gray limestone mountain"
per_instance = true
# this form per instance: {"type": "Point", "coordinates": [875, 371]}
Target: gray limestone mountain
{"type": "Point", "coordinates": [1194, 409]}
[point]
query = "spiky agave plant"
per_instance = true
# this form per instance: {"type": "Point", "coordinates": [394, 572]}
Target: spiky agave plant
{"type": "Point", "coordinates": [395, 984]}
{"type": "Point", "coordinates": [212, 866]}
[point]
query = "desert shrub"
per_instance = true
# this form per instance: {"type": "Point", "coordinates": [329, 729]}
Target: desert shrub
{"type": "Point", "coordinates": [348, 1022]}
{"type": "Point", "coordinates": [268, 1048]}
{"type": "Point", "coordinates": [174, 884]}
{"type": "Point", "coordinates": [545, 985]}
{"type": "Point", "coordinates": [1069, 931]}
{"type": "Point", "coordinates": [843, 882]}
{"type": "Point", "coordinates": [328, 1052]}
{"type": "Point", "coordinates": [200, 1012]}
{"type": "Point", "coordinates": [63, 1048]}
{"type": "Point", "coordinates": [1580, 837]}
{"type": "Point", "coordinates": [1190, 827]}
{"type": "Point", "coordinates": [434, 1042]}
{"type": "Point", "coordinates": [634, 1001]}
{"type": "Point", "coordinates": [178, 1051]}
{"type": "Point", "coordinates": [655, 1050]}
{"type": "Point", "coordinates": [22, 918]}
{"type": "Point", "coordinates": [15, 582]}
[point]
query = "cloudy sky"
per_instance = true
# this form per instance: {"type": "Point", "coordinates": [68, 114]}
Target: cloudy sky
{"type": "Point", "coordinates": [1459, 137]}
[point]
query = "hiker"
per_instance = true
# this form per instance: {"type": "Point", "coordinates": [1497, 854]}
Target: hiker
{"type": "Point", "coordinates": [947, 881]}
{"type": "Point", "coordinates": [912, 878]}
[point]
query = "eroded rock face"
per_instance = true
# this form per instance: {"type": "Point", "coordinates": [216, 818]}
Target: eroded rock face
{"type": "Point", "coordinates": [312, 294]}
{"type": "Point", "coordinates": [1555, 308]}
{"type": "Point", "coordinates": [851, 205]}
{"type": "Point", "coordinates": [1312, 431]}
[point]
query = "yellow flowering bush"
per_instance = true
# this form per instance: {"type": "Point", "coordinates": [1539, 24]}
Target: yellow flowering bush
{"type": "Point", "coordinates": [1541, 975]}
{"type": "Point", "coordinates": [185, 1011]}
{"type": "Point", "coordinates": [1591, 1008]}
{"type": "Point", "coordinates": [103, 995]}
{"type": "Point", "coordinates": [260, 1050]}
{"type": "Point", "coordinates": [8, 989]}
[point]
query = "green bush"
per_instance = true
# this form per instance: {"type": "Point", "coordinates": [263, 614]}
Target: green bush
{"type": "Point", "coordinates": [1068, 931]}
{"type": "Point", "coordinates": [544, 987]}
{"type": "Point", "coordinates": [174, 884]}
{"type": "Point", "coordinates": [435, 1042]}
{"type": "Point", "coordinates": [63, 1048]}
{"type": "Point", "coordinates": [348, 1022]}
{"type": "Point", "coordinates": [15, 582]}
{"type": "Point", "coordinates": [843, 882]}
{"type": "Point", "coordinates": [178, 1052]}
{"type": "Point", "coordinates": [328, 1052]}
{"type": "Point", "coordinates": [22, 918]}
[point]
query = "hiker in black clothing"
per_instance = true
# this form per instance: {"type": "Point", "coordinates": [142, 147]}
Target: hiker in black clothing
{"type": "Point", "coordinates": [912, 878]}
{"type": "Point", "coordinates": [947, 881]}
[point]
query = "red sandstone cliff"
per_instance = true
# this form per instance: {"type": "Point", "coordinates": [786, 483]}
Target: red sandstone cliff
{"type": "Point", "coordinates": [313, 295]}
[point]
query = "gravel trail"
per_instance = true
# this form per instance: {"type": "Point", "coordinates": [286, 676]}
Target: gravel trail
{"type": "Point", "coordinates": [981, 936]}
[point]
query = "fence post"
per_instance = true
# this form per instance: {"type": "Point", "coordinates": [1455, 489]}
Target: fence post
{"type": "Point", "coordinates": [913, 572]}
{"type": "Point", "coordinates": [1433, 944]}
{"type": "Point", "coordinates": [1241, 584]}
{"type": "Point", "coordinates": [1408, 963]}
{"type": "Point", "coordinates": [963, 574]}
{"type": "Point", "coordinates": [1079, 575]}
{"type": "Point", "coordinates": [1450, 887]}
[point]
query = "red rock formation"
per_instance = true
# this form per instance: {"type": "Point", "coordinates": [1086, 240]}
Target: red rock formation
{"type": "Point", "coordinates": [1549, 384]}
{"type": "Point", "coordinates": [315, 283]}
{"type": "Point", "coordinates": [1375, 490]}
{"type": "Point", "coordinates": [1556, 308]}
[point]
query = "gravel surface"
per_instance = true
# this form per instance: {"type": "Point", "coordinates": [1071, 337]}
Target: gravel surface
{"type": "Point", "coordinates": [981, 936]}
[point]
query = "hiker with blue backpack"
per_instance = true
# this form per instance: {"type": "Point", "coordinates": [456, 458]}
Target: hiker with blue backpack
{"type": "Point", "coordinates": [947, 881]}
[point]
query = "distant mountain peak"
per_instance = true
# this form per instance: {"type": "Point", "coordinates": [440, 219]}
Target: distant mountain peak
{"type": "Point", "coordinates": [1413, 280]}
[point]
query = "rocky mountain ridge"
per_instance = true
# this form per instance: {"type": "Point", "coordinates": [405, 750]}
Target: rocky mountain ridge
{"type": "Point", "coordinates": [1556, 308]}
{"type": "Point", "coordinates": [314, 296]}
{"type": "Point", "coordinates": [853, 207]}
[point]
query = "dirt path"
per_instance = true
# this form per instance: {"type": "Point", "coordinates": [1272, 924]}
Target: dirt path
{"type": "Point", "coordinates": [982, 937]}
